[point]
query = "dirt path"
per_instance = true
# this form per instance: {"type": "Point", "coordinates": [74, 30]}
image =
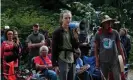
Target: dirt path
{"type": "Point", "coordinates": [130, 75]}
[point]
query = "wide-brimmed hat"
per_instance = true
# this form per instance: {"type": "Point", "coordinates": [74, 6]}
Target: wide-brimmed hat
{"type": "Point", "coordinates": [107, 18]}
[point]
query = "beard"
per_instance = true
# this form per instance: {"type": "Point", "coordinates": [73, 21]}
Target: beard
{"type": "Point", "coordinates": [35, 32]}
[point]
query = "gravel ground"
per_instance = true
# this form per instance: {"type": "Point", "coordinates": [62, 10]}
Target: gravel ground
{"type": "Point", "coordinates": [130, 75]}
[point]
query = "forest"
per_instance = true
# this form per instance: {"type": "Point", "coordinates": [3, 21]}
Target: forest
{"type": "Point", "coordinates": [22, 14]}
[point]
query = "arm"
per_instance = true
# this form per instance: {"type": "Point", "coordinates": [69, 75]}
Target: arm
{"type": "Point", "coordinates": [28, 40]}
{"type": "Point", "coordinates": [120, 50]}
{"type": "Point", "coordinates": [38, 66]}
{"type": "Point", "coordinates": [96, 48]}
{"type": "Point", "coordinates": [80, 67]}
{"type": "Point", "coordinates": [83, 44]}
{"type": "Point", "coordinates": [31, 45]}
{"type": "Point", "coordinates": [96, 53]}
{"type": "Point", "coordinates": [119, 47]}
{"type": "Point", "coordinates": [54, 49]}
{"type": "Point", "coordinates": [37, 62]}
{"type": "Point", "coordinates": [37, 44]}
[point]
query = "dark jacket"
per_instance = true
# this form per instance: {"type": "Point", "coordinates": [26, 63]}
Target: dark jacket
{"type": "Point", "coordinates": [126, 43]}
{"type": "Point", "coordinates": [57, 43]}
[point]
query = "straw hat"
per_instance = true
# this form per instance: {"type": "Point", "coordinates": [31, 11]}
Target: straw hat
{"type": "Point", "coordinates": [106, 18]}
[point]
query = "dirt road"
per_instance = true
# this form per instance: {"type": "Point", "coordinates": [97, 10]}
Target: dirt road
{"type": "Point", "coordinates": [130, 75]}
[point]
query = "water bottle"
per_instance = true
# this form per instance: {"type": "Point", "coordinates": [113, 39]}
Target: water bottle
{"type": "Point", "coordinates": [74, 24]}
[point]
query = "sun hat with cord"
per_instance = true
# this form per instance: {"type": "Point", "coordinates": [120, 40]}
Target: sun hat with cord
{"type": "Point", "coordinates": [106, 18]}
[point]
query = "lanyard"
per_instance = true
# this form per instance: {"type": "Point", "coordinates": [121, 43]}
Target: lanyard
{"type": "Point", "coordinates": [43, 60]}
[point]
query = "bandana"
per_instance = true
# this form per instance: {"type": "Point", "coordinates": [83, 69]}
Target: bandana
{"type": "Point", "coordinates": [100, 30]}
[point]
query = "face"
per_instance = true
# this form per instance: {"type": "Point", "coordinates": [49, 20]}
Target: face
{"type": "Point", "coordinates": [16, 34]}
{"type": "Point", "coordinates": [77, 30]}
{"type": "Point", "coordinates": [122, 32]}
{"type": "Point", "coordinates": [107, 24]}
{"type": "Point", "coordinates": [66, 19]}
{"type": "Point", "coordinates": [36, 28]}
{"type": "Point", "coordinates": [44, 52]}
{"type": "Point", "coordinates": [9, 35]}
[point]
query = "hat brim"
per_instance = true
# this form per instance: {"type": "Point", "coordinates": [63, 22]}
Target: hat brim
{"type": "Point", "coordinates": [112, 20]}
{"type": "Point", "coordinates": [104, 21]}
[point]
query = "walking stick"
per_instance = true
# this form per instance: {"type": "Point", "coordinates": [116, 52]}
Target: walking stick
{"type": "Point", "coordinates": [102, 75]}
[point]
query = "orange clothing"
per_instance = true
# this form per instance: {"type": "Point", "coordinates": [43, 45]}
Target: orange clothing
{"type": "Point", "coordinates": [39, 61]}
{"type": "Point", "coordinates": [8, 67]}
{"type": "Point", "coordinates": [11, 72]}
{"type": "Point", "coordinates": [6, 49]}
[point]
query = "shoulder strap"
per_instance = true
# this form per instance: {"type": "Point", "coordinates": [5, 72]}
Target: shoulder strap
{"type": "Point", "coordinates": [43, 60]}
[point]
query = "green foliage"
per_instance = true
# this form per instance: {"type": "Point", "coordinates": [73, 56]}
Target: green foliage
{"type": "Point", "coordinates": [81, 11]}
{"type": "Point", "coordinates": [22, 14]}
{"type": "Point", "coordinates": [23, 21]}
{"type": "Point", "coordinates": [111, 11]}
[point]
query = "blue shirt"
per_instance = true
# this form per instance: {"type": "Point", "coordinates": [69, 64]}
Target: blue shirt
{"type": "Point", "coordinates": [79, 63]}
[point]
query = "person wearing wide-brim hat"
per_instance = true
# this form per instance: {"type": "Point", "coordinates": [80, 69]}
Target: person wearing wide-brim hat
{"type": "Point", "coordinates": [107, 45]}
{"type": "Point", "coordinates": [106, 19]}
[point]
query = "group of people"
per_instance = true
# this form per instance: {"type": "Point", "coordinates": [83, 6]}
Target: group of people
{"type": "Point", "coordinates": [10, 50]}
{"type": "Point", "coordinates": [69, 56]}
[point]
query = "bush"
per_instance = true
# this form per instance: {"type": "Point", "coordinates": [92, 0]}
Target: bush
{"type": "Point", "coordinates": [23, 21]}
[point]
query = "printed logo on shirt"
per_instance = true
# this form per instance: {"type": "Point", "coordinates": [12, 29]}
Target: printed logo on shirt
{"type": "Point", "coordinates": [107, 43]}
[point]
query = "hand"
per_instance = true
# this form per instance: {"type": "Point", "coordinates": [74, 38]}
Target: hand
{"type": "Point", "coordinates": [31, 45]}
{"type": "Point", "coordinates": [82, 68]}
{"type": "Point", "coordinates": [85, 43]}
{"type": "Point", "coordinates": [56, 69]}
{"type": "Point", "coordinates": [45, 67]}
{"type": "Point", "coordinates": [44, 43]}
{"type": "Point", "coordinates": [87, 66]}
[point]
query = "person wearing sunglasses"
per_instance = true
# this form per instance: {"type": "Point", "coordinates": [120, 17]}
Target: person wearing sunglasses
{"type": "Point", "coordinates": [35, 40]}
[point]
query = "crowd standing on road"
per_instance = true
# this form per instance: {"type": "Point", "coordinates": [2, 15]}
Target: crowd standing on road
{"type": "Point", "coordinates": [69, 54]}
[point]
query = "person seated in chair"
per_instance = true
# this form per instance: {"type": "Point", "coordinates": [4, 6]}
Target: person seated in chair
{"type": "Point", "coordinates": [44, 64]}
{"type": "Point", "coordinates": [81, 70]}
